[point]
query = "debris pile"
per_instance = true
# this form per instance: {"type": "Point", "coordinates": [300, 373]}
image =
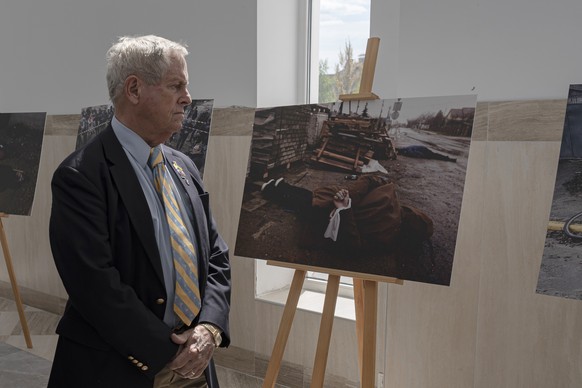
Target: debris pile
{"type": "Point", "coordinates": [349, 142]}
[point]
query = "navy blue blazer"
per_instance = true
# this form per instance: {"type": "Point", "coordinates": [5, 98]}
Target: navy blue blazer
{"type": "Point", "coordinates": [104, 248]}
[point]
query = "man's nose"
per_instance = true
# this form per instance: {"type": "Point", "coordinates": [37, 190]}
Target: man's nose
{"type": "Point", "coordinates": [186, 99]}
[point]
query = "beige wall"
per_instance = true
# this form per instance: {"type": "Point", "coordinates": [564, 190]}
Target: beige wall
{"type": "Point", "coordinates": [488, 329]}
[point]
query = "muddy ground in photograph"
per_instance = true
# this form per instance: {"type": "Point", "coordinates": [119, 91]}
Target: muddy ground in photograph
{"type": "Point", "coordinates": [561, 268]}
{"type": "Point", "coordinates": [267, 231]}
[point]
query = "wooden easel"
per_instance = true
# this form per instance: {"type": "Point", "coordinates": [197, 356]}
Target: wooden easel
{"type": "Point", "coordinates": [368, 71]}
{"type": "Point", "coordinates": [366, 301]}
{"type": "Point", "coordinates": [365, 288]}
{"type": "Point", "coordinates": [19, 306]}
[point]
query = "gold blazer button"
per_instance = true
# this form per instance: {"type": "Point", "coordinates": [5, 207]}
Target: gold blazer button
{"type": "Point", "coordinates": [160, 301]}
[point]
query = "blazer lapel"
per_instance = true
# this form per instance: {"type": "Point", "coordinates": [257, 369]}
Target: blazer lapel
{"type": "Point", "coordinates": [132, 196]}
{"type": "Point", "coordinates": [190, 185]}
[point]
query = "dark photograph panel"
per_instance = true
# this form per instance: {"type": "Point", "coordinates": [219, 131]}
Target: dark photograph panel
{"type": "Point", "coordinates": [363, 186]}
{"type": "Point", "coordinates": [94, 119]}
{"type": "Point", "coordinates": [192, 139]}
{"type": "Point", "coordinates": [561, 267]}
{"type": "Point", "coordinates": [21, 136]}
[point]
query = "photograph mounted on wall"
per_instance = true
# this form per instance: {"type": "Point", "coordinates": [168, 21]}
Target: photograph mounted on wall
{"type": "Point", "coordinates": [21, 136]}
{"type": "Point", "coordinates": [373, 187]}
{"type": "Point", "coordinates": [192, 139]}
{"type": "Point", "coordinates": [561, 266]}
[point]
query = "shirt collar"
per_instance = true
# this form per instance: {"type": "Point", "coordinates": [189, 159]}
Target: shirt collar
{"type": "Point", "coordinates": [132, 142]}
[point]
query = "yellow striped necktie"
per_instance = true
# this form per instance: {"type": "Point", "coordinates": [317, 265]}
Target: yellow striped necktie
{"type": "Point", "coordinates": [187, 301]}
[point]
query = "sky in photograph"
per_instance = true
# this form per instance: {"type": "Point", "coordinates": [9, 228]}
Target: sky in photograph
{"type": "Point", "coordinates": [413, 107]}
{"type": "Point", "coordinates": [341, 21]}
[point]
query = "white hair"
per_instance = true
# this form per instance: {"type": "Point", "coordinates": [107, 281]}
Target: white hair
{"type": "Point", "coordinates": [147, 57]}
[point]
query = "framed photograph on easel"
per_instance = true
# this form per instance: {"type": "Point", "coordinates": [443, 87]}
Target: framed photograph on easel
{"type": "Point", "coordinates": [561, 262]}
{"type": "Point", "coordinates": [21, 137]}
{"type": "Point", "coordinates": [401, 162]}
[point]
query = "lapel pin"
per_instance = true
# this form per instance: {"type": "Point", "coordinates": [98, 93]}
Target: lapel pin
{"type": "Point", "coordinates": [180, 172]}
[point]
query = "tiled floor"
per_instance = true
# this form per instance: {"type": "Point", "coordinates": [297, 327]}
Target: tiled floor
{"type": "Point", "coordinates": [21, 367]}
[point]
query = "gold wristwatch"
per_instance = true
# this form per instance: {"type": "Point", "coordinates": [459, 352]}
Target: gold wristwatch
{"type": "Point", "coordinates": [215, 333]}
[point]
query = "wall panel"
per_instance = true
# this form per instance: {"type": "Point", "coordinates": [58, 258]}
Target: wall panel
{"type": "Point", "coordinates": [431, 329]}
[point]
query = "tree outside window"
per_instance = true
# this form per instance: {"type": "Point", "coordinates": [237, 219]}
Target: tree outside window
{"type": "Point", "coordinates": [343, 28]}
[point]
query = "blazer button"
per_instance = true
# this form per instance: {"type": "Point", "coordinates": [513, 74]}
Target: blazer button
{"type": "Point", "coordinates": [139, 364]}
{"type": "Point", "coordinates": [160, 301]}
{"type": "Point", "coordinates": [144, 368]}
{"type": "Point", "coordinates": [134, 361]}
{"type": "Point", "coordinates": [130, 358]}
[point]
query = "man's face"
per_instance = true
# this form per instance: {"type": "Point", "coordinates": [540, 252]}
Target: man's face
{"type": "Point", "coordinates": [162, 105]}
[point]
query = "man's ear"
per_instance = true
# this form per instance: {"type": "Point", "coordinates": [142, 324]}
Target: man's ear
{"type": "Point", "coordinates": [131, 89]}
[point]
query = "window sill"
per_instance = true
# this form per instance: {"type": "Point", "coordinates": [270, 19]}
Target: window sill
{"type": "Point", "coordinates": [312, 301]}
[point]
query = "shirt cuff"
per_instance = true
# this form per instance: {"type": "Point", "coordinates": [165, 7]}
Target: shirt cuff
{"type": "Point", "coordinates": [334, 221]}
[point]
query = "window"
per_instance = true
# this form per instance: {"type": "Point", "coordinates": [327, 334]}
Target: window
{"type": "Point", "coordinates": [339, 34]}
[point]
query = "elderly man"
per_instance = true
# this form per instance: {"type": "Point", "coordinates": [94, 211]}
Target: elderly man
{"type": "Point", "coordinates": [147, 274]}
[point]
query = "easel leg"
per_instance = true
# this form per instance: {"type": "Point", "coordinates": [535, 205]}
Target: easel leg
{"type": "Point", "coordinates": [369, 339]}
{"type": "Point", "coordinates": [15, 291]}
{"type": "Point", "coordinates": [359, 305]}
{"type": "Point", "coordinates": [325, 331]}
{"type": "Point", "coordinates": [284, 329]}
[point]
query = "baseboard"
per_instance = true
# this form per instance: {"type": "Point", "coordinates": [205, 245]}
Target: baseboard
{"type": "Point", "coordinates": [34, 298]}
